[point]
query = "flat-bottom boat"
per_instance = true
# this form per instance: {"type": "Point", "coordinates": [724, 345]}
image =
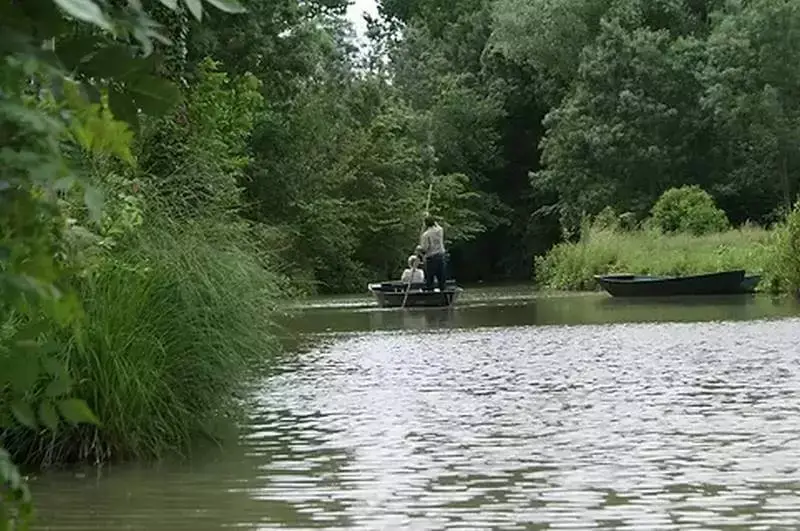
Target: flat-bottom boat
{"type": "Point", "coordinates": [393, 294]}
{"type": "Point", "coordinates": [724, 283]}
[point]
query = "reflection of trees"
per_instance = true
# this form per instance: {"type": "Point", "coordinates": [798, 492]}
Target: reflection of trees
{"type": "Point", "coordinates": [599, 309]}
{"type": "Point", "coordinates": [543, 309]}
{"type": "Point", "coordinates": [283, 472]}
{"type": "Point", "coordinates": [412, 318]}
{"type": "Point", "coordinates": [298, 469]}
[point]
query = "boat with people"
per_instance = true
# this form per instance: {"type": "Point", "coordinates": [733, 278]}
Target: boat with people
{"type": "Point", "coordinates": [721, 283]}
{"type": "Point", "coordinates": [416, 287]}
{"type": "Point", "coordinates": [398, 294]}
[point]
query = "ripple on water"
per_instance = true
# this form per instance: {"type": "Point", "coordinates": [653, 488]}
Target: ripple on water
{"type": "Point", "coordinates": [652, 426]}
{"type": "Point", "coordinates": [645, 426]}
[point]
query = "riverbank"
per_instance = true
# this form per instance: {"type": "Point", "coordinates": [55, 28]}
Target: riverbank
{"type": "Point", "coordinates": [572, 265]}
{"type": "Point", "coordinates": [172, 327]}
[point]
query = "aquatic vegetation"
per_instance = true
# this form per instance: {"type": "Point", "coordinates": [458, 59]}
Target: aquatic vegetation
{"type": "Point", "coordinates": [784, 257]}
{"type": "Point", "coordinates": [572, 265]}
{"type": "Point", "coordinates": [171, 330]}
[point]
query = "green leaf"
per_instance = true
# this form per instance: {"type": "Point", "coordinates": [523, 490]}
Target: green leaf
{"type": "Point", "coordinates": [66, 308]}
{"type": "Point", "coordinates": [228, 6]}
{"type": "Point", "coordinates": [85, 10]}
{"type": "Point", "coordinates": [115, 62]}
{"type": "Point", "coordinates": [196, 8]}
{"type": "Point", "coordinates": [75, 411]}
{"type": "Point", "coordinates": [48, 20]}
{"type": "Point", "coordinates": [48, 416]}
{"type": "Point", "coordinates": [71, 51]}
{"type": "Point", "coordinates": [58, 387]}
{"type": "Point", "coordinates": [123, 108]}
{"type": "Point", "coordinates": [22, 372]}
{"type": "Point", "coordinates": [52, 366]}
{"type": "Point", "coordinates": [24, 414]}
{"type": "Point", "coordinates": [154, 95]}
{"type": "Point", "coordinates": [170, 4]}
{"type": "Point", "coordinates": [61, 383]}
{"type": "Point", "coordinates": [32, 330]}
{"type": "Point", "coordinates": [47, 348]}
{"type": "Point", "coordinates": [94, 202]}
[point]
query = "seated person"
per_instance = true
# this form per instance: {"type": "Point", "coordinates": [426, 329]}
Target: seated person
{"type": "Point", "coordinates": [413, 274]}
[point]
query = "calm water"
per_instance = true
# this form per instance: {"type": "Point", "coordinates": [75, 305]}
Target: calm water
{"type": "Point", "coordinates": [509, 412]}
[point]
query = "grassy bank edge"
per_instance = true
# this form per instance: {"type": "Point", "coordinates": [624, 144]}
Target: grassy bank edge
{"type": "Point", "coordinates": [175, 327]}
{"type": "Point", "coordinates": [571, 266]}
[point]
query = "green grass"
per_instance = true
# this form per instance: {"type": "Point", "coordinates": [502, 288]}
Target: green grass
{"type": "Point", "coordinates": [784, 265]}
{"type": "Point", "coordinates": [571, 266]}
{"type": "Point", "coordinates": [173, 329]}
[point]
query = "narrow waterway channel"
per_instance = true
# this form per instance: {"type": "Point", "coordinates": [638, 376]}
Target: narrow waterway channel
{"type": "Point", "coordinates": [512, 411]}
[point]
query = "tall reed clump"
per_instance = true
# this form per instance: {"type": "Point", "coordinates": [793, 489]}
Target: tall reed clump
{"type": "Point", "coordinates": [601, 250]}
{"type": "Point", "coordinates": [783, 272]}
{"type": "Point", "coordinates": [173, 327]}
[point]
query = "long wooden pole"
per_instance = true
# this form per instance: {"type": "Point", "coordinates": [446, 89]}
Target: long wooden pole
{"type": "Point", "coordinates": [427, 211]}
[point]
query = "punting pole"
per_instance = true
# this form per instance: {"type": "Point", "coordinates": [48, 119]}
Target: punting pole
{"type": "Point", "coordinates": [427, 210]}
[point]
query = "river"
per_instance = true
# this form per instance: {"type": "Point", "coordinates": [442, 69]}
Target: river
{"type": "Point", "coordinates": [512, 411]}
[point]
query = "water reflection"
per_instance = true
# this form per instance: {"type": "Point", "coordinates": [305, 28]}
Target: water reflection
{"type": "Point", "coordinates": [532, 309]}
{"type": "Point", "coordinates": [443, 425]}
{"type": "Point", "coordinates": [413, 318]}
{"type": "Point", "coordinates": [638, 425]}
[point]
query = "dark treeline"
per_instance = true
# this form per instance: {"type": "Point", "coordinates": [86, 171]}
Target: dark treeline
{"type": "Point", "coordinates": [603, 103]}
{"type": "Point", "coordinates": [171, 169]}
{"type": "Point", "coordinates": [525, 114]}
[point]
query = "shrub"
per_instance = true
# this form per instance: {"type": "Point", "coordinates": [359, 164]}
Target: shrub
{"type": "Point", "coordinates": [784, 255]}
{"type": "Point", "coordinates": [606, 219]}
{"type": "Point", "coordinates": [173, 327]}
{"type": "Point", "coordinates": [688, 209]}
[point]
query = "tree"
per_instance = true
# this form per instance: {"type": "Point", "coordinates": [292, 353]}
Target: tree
{"type": "Point", "coordinates": [752, 93]}
{"type": "Point", "coordinates": [631, 126]}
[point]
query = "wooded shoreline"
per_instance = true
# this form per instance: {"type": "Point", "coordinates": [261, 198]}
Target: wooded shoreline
{"type": "Point", "coordinates": [170, 172]}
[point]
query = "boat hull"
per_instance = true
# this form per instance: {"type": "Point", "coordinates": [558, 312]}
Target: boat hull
{"type": "Point", "coordinates": [750, 283]}
{"type": "Point", "coordinates": [724, 283]}
{"type": "Point", "coordinates": [393, 295]}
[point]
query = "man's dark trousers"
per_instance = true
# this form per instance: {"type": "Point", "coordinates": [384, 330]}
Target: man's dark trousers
{"type": "Point", "coordinates": [434, 267]}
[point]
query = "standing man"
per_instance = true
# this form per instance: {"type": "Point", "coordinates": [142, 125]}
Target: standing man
{"type": "Point", "coordinates": [432, 244]}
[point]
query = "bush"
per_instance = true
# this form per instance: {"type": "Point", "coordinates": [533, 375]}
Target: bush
{"type": "Point", "coordinates": [784, 257]}
{"type": "Point", "coordinates": [572, 266]}
{"type": "Point", "coordinates": [172, 329]}
{"type": "Point", "coordinates": [606, 219]}
{"type": "Point", "coordinates": [688, 209]}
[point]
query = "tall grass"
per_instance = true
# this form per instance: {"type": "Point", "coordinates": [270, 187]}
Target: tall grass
{"type": "Point", "coordinates": [572, 266]}
{"type": "Point", "coordinates": [784, 258]}
{"type": "Point", "coordinates": [173, 328]}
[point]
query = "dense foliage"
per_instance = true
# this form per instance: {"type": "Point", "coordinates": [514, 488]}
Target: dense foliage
{"type": "Point", "coordinates": [110, 302]}
{"type": "Point", "coordinates": [610, 248]}
{"type": "Point", "coordinates": [167, 172]}
{"type": "Point", "coordinates": [651, 96]}
{"type": "Point", "coordinates": [688, 209]}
